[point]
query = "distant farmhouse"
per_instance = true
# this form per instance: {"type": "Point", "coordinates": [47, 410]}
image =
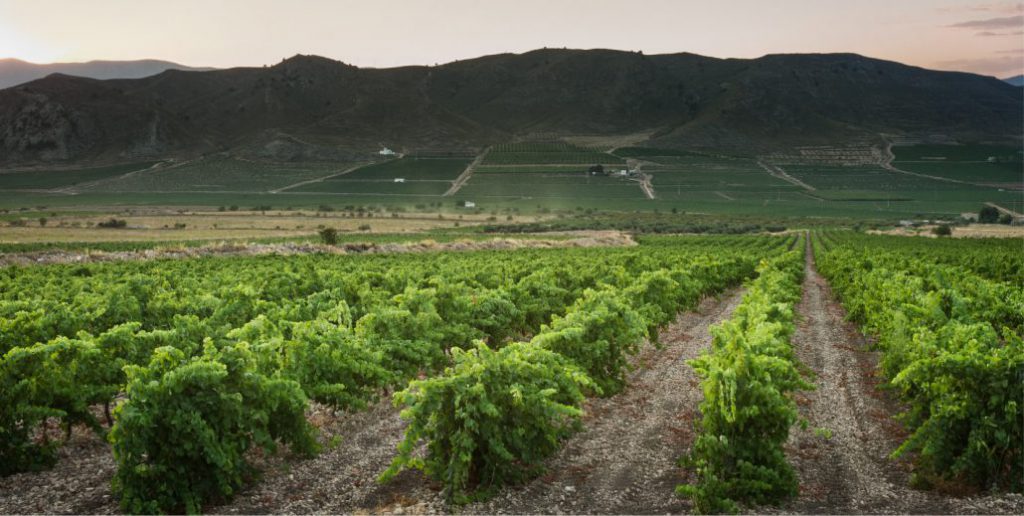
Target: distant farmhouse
{"type": "Point", "coordinates": [387, 152]}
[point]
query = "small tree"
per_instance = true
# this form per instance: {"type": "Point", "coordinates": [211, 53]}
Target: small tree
{"type": "Point", "coordinates": [1006, 219]}
{"type": "Point", "coordinates": [42, 222]}
{"type": "Point", "coordinates": [988, 215]}
{"type": "Point", "coordinates": [942, 230]}
{"type": "Point", "coordinates": [329, 236]}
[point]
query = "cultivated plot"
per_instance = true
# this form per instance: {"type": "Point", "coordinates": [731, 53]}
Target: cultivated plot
{"type": "Point", "coordinates": [222, 174]}
{"type": "Point", "coordinates": [445, 169]}
{"type": "Point", "coordinates": [578, 186]}
{"type": "Point", "coordinates": [547, 153]}
{"type": "Point", "coordinates": [48, 179]}
{"type": "Point", "coordinates": [974, 163]}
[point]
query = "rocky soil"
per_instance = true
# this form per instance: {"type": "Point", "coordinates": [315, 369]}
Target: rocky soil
{"type": "Point", "coordinates": [594, 239]}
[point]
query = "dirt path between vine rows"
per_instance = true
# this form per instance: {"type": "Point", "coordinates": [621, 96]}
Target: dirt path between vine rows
{"type": "Point", "coordinates": [624, 461]}
{"type": "Point", "coordinates": [851, 472]}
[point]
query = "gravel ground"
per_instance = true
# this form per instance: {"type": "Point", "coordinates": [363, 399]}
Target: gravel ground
{"type": "Point", "coordinates": [851, 472]}
{"type": "Point", "coordinates": [78, 484]}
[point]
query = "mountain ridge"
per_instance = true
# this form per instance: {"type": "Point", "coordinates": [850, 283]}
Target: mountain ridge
{"type": "Point", "coordinates": [339, 110]}
{"type": "Point", "coordinates": [1016, 80]}
{"type": "Point", "coordinates": [16, 71]}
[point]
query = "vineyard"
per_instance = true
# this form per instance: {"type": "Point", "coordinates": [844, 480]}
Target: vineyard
{"type": "Point", "coordinates": [548, 170]}
{"type": "Point", "coordinates": [463, 379]}
{"type": "Point", "coordinates": [534, 153]}
{"type": "Point", "coordinates": [950, 338]}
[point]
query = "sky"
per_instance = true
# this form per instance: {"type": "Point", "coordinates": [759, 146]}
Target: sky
{"type": "Point", "coordinates": [985, 37]}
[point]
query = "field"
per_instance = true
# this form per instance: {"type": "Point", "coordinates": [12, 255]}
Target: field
{"type": "Point", "coordinates": [218, 174]}
{"type": "Point", "coordinates": [547, 153]}
{"type": "Point", "coordinates": [549, 176]}
{"type": "Point", "coordinates": [705, 174]}
{"type": "Point", "coordinates": [546, 171]}
{"type": "Point", "coordinates": [571, 186]}
{"type": "Point", "coordinates": [383, 188]}
{"type": "Point", "coordinates": [47, 179]}
{"type": "Point", "coordinates": [878, 186]}
{"type": "Point", "coordinates": [495, 357]}
{"type": "Point", "coordinates": [442, 169]}
{"type": "Point", "coordinates": [162, 225]}
{"type": "Point", "coordinates": [1002, 166]}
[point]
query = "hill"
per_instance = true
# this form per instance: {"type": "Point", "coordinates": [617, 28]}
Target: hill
{"type": "Point", "coordinates": [309, 107]}
{"type": "Point", "coordinates": [1016, 80]}
{"type": "Point", "coordinates": [15, 71]}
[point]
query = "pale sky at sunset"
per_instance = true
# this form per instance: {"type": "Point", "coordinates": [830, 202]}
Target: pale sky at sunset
{"type": "Point", "coordinates": [977, 36]}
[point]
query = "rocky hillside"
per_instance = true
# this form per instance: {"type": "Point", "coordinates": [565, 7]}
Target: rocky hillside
{"type": "Point", "coordinates": [309, 107]}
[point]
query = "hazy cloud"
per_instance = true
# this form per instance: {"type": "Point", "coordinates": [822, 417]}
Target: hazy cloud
{"type": "Point", "coordinates": [990, 33]}
{"type": "Point", "coordinates": [1011, 51]}
{"type": "Point", "coordinates": [998, 7]}
{"type": "Point", "coordinates": [1005, 22]}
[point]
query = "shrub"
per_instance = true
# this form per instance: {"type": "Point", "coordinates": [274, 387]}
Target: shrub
{"type": "Point", "coordinates": [747, 378]}
{"type": "Point", "coordinates": [181, 437]}
{"type": "Point", "coordinates": [57, 379]}
{"type": "Point", "coordinates": [491, 418]}
{"type": "Point", "coordinates": [332, 365]}
{"type": "Point", "coordinates": [329, 236]}
{"type": "Point", "coordinates": [942, 230]}
{"type": "Point", "coordinates": [598, 333]}
{"type": "Point", "coordinates": [113, 223]}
